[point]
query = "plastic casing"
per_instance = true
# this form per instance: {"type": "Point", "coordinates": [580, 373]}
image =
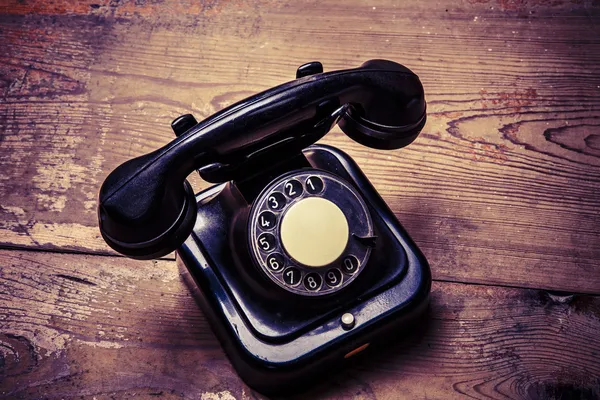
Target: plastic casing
{"type": "Point", "coordinates": [297, 355]}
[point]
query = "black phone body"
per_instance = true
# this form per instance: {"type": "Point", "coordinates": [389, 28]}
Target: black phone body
{"type": "Point", "coordinates": [278, 340]}
{"type": "Point", "coordinates": [296, 260]}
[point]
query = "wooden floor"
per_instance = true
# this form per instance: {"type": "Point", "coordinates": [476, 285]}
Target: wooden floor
{"type": "Point", "coordinates": [501, 190]}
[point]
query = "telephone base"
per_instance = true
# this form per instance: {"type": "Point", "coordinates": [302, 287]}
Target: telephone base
{"type": "Point", "coordinates": [280, 342]}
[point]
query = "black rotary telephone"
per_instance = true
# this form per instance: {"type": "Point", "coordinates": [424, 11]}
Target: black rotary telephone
{"type": "Point", "coordinates": [294, 257]}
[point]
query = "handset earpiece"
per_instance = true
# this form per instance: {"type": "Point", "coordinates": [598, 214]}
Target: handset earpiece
{"type": "Point", "coordinates": [393, 114]}
{"type": "Point", "coordinates": [146, 207]}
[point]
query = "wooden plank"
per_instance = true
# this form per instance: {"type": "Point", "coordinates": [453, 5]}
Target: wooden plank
{"type": "Point", "coordinates": [76, 325]}
{"type": "Point", "coordinates": [501, 187]}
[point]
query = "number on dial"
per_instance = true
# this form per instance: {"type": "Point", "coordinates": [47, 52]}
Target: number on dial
{"type": "Point", "coordinates": [333, 277]}
{"type": "Point", "coordinates": [291, 276]}
{"type": "Point", "coordinates": [292, 188]}
{"type": "Point", "coordinates": [275, 262]}
{"type": "Point", "coordinates": [276, 201]}
{"type": "Point", "coordinates": [267, 220]}
{"type": "Point", "coordinates": [314, 185]}
{"type": "Point", "coordinates": [312, 281]}
{"type": "Point", "coordinates": [266, 242]}
{"type": "Point", "coordinates": [350, 264]}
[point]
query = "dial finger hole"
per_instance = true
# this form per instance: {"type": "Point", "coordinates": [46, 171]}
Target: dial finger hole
{"type": "Point", "coordinates": [293, 188]}
{"type": "Point", "coordinates": [314, 184]}
{"type": "Point", "coordinates": [313, 281]}
{"type": "Point", "coordinates": [350, 264]}
{"type": "Point", "coordinates": [276, 201]}
{"type": "Point", "coordinates": [333, 277]}
{"type": "Point", "coordinates": [275, 262]}
{"type": "Point", "coordinates": [267, 242]}
{"type": "Point", "coordinates": [267, 220]}
{"type": "Point", "coordinates": [291, 276]}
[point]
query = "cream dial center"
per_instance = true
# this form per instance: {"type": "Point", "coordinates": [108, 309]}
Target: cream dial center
{"type": "Point", "coordinates": [314, 231]}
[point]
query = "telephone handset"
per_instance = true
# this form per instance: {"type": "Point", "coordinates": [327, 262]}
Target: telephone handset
{"type": "Point", "coordinates": [294, 257]}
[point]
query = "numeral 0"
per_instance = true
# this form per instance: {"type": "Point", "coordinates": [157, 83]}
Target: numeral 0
{"type": "Point", "coordinates": [348, 264]}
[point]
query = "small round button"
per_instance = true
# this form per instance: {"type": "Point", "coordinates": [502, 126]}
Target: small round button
{"type": "Point", "coordinates": [267, 220]}
{"type": "Point", "coordinates": [348, 321]}
{"type": "Point", "coordinates": [276, 201]}
{"type": "Point", "coordinates": [266, 242]}
{"type": "Point", "coordinates": [313, 281]}
{"type": "Point", "coordinates": [275, 262]}
{"type": "Point", "coordinates": [333, 277]}
{"type": "Point", "coordinates": [293, 188]}
{"type": "Point", "coordinates": [350, 264]}
{"type": "Point", "coordinates": [291, 276]}
{"type": "Point", "coordinates": [314, 185]}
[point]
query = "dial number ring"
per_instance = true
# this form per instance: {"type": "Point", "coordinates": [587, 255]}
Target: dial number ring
{"type": "Point", "coordinates": [272, 258]}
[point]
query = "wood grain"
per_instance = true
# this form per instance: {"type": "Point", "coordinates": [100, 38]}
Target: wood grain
{"type": "Point", "coordinates": [501, 187]}
{"type": "Point", "coordinates": [97, 326]}
{"type": "Point", "coordinates": [501, 190]}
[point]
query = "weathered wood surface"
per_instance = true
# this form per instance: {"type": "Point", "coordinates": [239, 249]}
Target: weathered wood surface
{"type": "Point", "coordinates": [501, 187]}
{"type": "Point", "coordinates": [102, 326]}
